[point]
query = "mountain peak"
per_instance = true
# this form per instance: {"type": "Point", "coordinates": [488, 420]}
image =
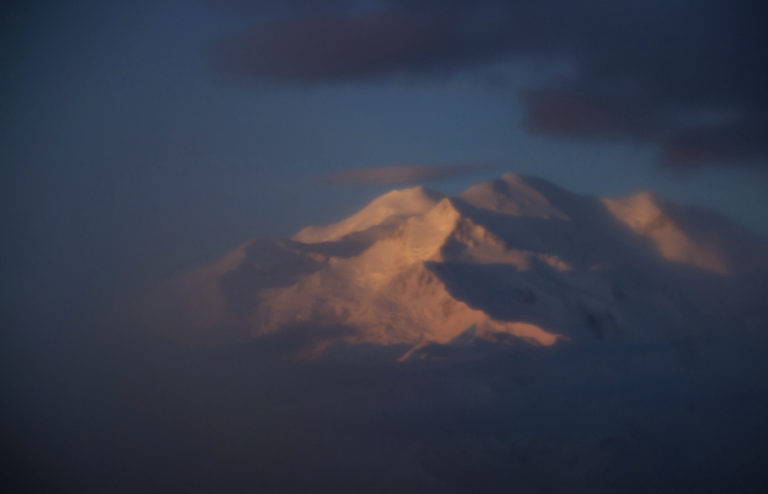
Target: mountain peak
{"type": "Point", "coordinates": [646, 215]}
{"type": "Point", "coordinates": [515, 256]}
{"type": "Point", "coordinates": [514, 195]}
{"type": "Point", "coordinates": [386, 210]}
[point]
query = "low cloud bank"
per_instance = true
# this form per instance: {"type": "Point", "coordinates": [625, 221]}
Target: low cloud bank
{"type": "Point", "coordinates": [107, 413]}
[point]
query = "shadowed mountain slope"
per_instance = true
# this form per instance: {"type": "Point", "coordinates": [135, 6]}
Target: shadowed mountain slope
{"type": "Point", "coordinates": [514, 258]}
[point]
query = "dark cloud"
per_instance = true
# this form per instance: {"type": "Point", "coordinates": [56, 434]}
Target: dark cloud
{"type": "Point", "coordinates": [279, 7]}
{"type": "Point", "coordinates": [642, 70]}
{"type": "Point", "coordinates": [743, 142]}
{"type": "Point", "coordinates": [580, 115]}
{"type": "Point", "coordinates": [332, 47]}
{"type": "Point", "coordinates": [401, 174]}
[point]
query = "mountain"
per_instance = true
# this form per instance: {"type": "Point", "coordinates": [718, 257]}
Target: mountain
{"type": "Point", "coordinates": [383, 213]}
{"type": "Point", "coordinates": [516, 260]}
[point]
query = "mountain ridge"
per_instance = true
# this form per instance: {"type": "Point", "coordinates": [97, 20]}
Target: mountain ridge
{"type": "Point", "coordinates": [515, 256]}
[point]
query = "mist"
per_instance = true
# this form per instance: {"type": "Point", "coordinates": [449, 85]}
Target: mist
{"type": "Point", "coordinates": [203, 159]}
{"type": "Point", "coordinates": [95, 411]}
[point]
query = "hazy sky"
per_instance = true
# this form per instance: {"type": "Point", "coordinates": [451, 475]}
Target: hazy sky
{"type": "Point", "coordinates": [135, 136]}
{"type": "Point", "coordinates": [140, 136]}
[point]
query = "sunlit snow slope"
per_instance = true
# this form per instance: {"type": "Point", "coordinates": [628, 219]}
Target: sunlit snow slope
{"type": "Point", "coordinates": [513, 259]}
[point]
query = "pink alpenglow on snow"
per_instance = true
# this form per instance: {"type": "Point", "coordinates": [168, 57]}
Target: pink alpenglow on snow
{"type": "Point", "coordinates": [516, 259]}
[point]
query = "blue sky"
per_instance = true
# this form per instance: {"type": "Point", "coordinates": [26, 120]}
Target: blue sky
{"type": "Point", "coordinates": [137, 136]}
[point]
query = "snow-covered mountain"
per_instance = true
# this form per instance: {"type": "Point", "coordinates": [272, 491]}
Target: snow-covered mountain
{"type": "Point", "coordinates": [516, 259]}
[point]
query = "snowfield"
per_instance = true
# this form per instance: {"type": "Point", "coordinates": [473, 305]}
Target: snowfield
{"type": "Point", "coordinates": [516, 257]}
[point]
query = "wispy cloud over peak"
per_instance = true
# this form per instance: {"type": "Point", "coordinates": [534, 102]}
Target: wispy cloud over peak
{"type": "Point", "coordinates": [403, 174]}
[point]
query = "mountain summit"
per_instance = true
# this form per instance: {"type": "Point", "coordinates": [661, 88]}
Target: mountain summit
{"type": "Point", "coordinates": [516, 259]}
